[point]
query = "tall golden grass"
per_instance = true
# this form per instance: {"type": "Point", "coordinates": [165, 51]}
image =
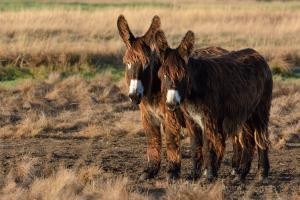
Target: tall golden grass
{"type": "Point", "coordinates": [68, 37]}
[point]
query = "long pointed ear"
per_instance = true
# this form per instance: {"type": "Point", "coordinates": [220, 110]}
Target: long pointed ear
{"type": "Point", "coordinates": [161, 42]}
{"type": "Point", "coordinates": [186, 46]}
{"type": "Point", "coordinates": [124, 31]}
{"type": "Point", "coordinates": [154, 27]}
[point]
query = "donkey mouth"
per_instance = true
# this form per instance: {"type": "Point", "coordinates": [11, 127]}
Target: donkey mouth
{"type": "Point", "coordinates": [135, 98]}
{"type": "Point", "coordinates": [136, 101]}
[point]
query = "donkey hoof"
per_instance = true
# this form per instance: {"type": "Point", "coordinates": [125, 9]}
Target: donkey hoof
{"type": "Point", "coordinates": [234, 172]}
{"type": "Point", "coordinates": [263, 180]}
{"type": "Point", "coordinates": [239, 180]}
{"type": "Point", "coordinates": [193, 176]}
{"type": "Point", "coordinates": [205, 173]}
{"type": "Point", "coordinates": [145, 176]}
{"type": "Point", "coordinates": [210, 176]}
{"type": "Point", "coordinates": [211, 179]}
{"type": "Point", "coordinates": [172, 177]}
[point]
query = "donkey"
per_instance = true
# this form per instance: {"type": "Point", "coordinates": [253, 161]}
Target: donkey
{"type": "Point", "coordinates": [141, 73]}
{"type": "Point", "coordinates": [228, 96]}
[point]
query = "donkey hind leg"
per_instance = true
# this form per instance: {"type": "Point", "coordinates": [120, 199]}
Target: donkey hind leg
{"type": "Point", "coordinates": [152, 130]}
{"type": "Point", "coordinates": [246, 139]}
{"type": "Point", "coordinates": [263, 165]}
{"type": "Point", "coordinates": [262, 140]}
{"type": "Point", "coordinates": [260, 121]}
{"type": "Point", "coordinates": [197, 156]}
{"type": "Point", "coordinates": [236, 157]}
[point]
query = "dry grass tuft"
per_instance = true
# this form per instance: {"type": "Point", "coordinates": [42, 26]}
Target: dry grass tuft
{"type": "Point", "coordinates": [188, 191]}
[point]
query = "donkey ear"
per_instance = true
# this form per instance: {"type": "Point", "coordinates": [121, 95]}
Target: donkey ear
{"type": "Point", "coordinates": [124, 31]}
{"type": "Point", "coordinates": [155, 25]}
{"type": "Point", "coordinates": [187, 44]}
{"type": "Point", "coordinates": [161, 42]}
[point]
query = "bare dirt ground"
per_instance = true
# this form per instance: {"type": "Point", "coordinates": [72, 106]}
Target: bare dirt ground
{"type": "Point", "coordinates": [125, 155]}
{"type": "Point", "coordinates": [93, 127]}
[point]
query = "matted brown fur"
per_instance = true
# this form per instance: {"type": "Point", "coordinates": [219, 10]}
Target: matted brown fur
{"type": "Point", "coordinates": [228, 95]}
{"type": "Point", "coordinates": [144, 65]}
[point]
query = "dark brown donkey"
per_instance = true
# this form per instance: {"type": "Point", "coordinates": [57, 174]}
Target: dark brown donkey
{"type": "Point", "coordinates": [142, 65]}
{"type": "Point", "coordinates": [228, 96]}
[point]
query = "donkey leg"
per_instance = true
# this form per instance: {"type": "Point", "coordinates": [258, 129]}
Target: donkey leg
{"type": "Point", "coordinates": [247, 154]}
{"type": "Point", "coordinates": [197, 156]}
{"type": "Point", "coordinates": [263, 164]}
{"type": "Point", "coordinates": [173, 153]}
{"type": "Point", "coordinates": [236, 157]}
{"type": "Point", "coordinates": [212, 160]}
{"type": "Point", "coordinates": [152, 130]}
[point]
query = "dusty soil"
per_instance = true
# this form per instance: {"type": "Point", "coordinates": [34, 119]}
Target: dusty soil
{"type": "Point", "coordinates": [125, 155]}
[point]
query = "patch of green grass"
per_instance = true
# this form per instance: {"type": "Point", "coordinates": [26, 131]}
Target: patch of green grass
{"type": "Point", "coordinates": [12, 83]}
{"type": "Point", "coordinates": [10, 73]}
{"type": "Point", "coordinates": [88, 73]}
{"type": "Point", "coordinates": [293, 74]}
{"type": "Point", "coordinates": [34, 4]}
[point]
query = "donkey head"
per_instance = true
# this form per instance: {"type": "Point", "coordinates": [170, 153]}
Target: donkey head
{"type": "Point", "coordinates": [137, 56]}
{"type": "Point", "coordinates": [173, 70]}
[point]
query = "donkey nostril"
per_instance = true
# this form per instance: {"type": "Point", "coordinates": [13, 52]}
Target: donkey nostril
{"type": "Point", "coordinates": [131, 95]}
{"type": "Point", "coordinates": [172, 106]}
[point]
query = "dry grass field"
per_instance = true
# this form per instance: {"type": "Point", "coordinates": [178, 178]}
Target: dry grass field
{"type": "Point", "coordinates": [67, 127]}
{"type": "Point", "coordinates": [86, 33]}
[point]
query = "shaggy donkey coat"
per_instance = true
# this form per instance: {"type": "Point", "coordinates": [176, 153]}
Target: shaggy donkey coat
{"type": "Point", "coordinates": [141, 73]}
{"type": "Point", "coordinates": [227, 95]}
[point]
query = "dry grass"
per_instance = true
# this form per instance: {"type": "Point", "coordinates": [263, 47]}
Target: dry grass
{"type": "Point", "coordinates": [24, 182]}
{"type": "Point", "coordinates": [70, 37]}
{"type": "Point", "coordinates": [285, 114]}
{"type": "Point", "coordinates": [71, 106]}
{"type": "Point", "coordinates": [82, 108]}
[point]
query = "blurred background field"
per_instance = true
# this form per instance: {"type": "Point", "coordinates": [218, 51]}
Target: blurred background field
{"type": "Point", "coordinates": [71, 37]}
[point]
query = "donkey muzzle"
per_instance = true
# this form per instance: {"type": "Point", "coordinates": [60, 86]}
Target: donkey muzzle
{"type": "Point", "coordinates": [173, 99]}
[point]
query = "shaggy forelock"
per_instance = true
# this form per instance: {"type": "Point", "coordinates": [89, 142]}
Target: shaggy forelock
{"type": "Point", "coordinates": [174, 65]}
{"type": "Point", "coordinates": [139, 52]}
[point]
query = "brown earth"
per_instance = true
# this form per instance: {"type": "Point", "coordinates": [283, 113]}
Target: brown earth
{"type": "Point", "coordinates": [77, 124]}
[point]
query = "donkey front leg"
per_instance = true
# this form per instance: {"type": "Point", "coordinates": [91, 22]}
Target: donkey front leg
{"type": "Point", "coordinates": [196, 146]}
{"type": "Point", "coordinates": [172, 130]}
{"type": "Point", "coordinates": [173, 154]}
{"type": "Point", "coordinates": [152, 130]}
{"type": "Point", "coordinates": [214, 149]}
